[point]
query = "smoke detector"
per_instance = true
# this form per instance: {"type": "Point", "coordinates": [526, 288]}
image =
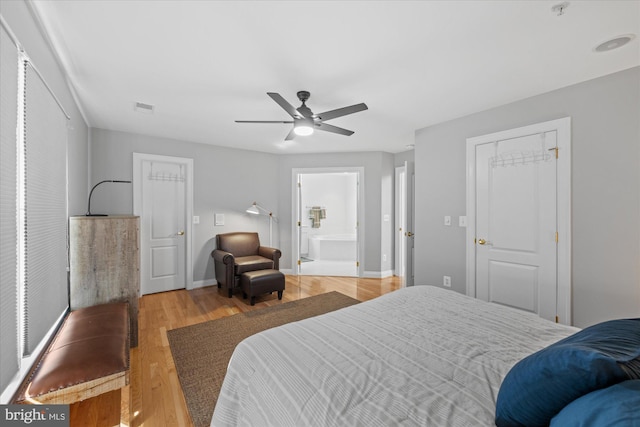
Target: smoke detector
{"type": "Point", "coordinates": [560, 8]}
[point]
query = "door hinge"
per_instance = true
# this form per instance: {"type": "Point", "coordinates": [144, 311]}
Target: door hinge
{"type": "Point", "coordinates": [299, 184]}
{"type": "Point", "coordinates": [554, 149]}
{"type": "Point", "coordinates": [556, 237]}
{"type": "Point", "coordinates": [299, 262]}
{"type": "Point", "coordinates": [357, 263]}
{"type": "Point", "coordinates": [557, 319]}
{"type": "Point", "coordinates": [299, 223]}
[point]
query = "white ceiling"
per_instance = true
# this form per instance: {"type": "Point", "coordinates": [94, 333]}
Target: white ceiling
{"type": "Point", "coordinates": [204, 64]}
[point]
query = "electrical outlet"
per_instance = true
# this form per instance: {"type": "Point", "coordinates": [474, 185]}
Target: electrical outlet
{"type": "Point", "coordinates": [447, 220]}
{"type": "Point", "coordinates": [446, 281]}
{"type": "Point", "coordinates": [384, 257]}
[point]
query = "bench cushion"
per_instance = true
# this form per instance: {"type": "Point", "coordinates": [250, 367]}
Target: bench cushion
{"type": "Point", "coordinates": [251, 263]}
{"type": "Point", "coordinates": [92, 343]}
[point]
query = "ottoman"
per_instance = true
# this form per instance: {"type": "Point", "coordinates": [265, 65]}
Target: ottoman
{"type": "Point", "coordinates": [261, 282]}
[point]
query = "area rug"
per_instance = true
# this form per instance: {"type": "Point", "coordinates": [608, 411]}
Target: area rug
{"type": "Point", "coordinates": [201, 352]}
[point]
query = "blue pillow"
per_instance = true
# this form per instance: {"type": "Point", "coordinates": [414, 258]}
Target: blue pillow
{"type": "Point", "coordinates": [615, 406]}
{"type": "Point", "coordinates": [540, 385]}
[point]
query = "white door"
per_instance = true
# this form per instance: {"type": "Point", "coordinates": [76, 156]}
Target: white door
{"type": "Point", "coordinates": [409, 235]}
{"type": "Point", "coordinates": [161, 200]}
{"type": "Point", "coordinates": [401, 222]}
{"type": "Point", "coordinates": [516, 221]}
{"type": "Point", "coordinates": [404, 240]}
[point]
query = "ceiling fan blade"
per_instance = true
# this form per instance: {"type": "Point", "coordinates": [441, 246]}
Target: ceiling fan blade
{"type": "Point", "coordinates": [328, 115]}
{"type": "Point", "coordinates": [290, 135]}
{"type": "Point", "coordinates": [334, 129]}
{"type": "Point", "coordinates": [263, 121]}
{"type": "Point", "coordinates": [284, 104]}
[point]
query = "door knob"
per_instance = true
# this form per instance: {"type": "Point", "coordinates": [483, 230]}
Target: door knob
{"type": "Point", "coordinates": [408, 234]}
{"type": "Point", "coordinates": [482, 242]}
{"type": "Point", "coordinates": [181, 233]}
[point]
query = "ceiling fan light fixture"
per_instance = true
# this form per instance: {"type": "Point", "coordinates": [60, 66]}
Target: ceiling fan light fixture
{"type": "Point", "coordinates": [305, 122]}
{"type": "Point", "coordinates": [303, 127]}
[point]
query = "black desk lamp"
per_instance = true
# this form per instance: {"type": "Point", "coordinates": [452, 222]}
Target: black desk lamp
{"type": "Point", "coordinates": [94, 187]}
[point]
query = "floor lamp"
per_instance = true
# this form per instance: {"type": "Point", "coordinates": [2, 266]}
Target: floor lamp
{"type": "Point", "coordinates": [256, 209]}
{"type": "Point", "coordinates": [91, 193]}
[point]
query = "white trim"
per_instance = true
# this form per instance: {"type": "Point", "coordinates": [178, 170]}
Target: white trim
{"type": "Point", "coordinates": [27, 362]}
{"type": "Point", "coordinates": [20, 207]}
{"type": "Point", "coordinates": [287, 271]}
{"type": "Point", "coordinates": [62, 64]}
{"type": "Point", "coordinates": [563, 185]}
{"type": "Point", "coordinates": [138, 158]}
{"type": "Point", "coordinates": [377, 274]}
{"type": "Point", "coordinates": [203, 283]}
{"type": "Point", "coordinates": [295, 172]}
{"type": "Point", "coordinates": [399, 226]}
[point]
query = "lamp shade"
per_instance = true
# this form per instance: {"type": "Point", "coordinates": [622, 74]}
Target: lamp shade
{"type": "Point", "coordinates": [253, 209]}
{"type": "Point", "coordinates": [256, 209]}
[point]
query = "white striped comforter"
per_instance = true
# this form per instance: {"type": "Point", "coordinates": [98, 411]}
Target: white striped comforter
{"type": "Point", "coordinates": [420, 356]}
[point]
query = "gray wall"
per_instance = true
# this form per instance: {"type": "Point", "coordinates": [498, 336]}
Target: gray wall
{"type": "Point", "coordinates": [400, 158]}
{"type": "Point", "coordinates": [605, 114]}
{"type": "Point", "coordinates": [18, 16]}
{"type": "Point", "coordinates": [228, 180]}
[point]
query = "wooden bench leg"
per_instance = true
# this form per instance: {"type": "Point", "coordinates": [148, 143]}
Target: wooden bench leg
{"type": "Point", "coordinates": [125, 405]}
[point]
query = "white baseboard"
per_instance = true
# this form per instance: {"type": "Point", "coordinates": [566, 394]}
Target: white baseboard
{"type": "Point", "coordinates": [290, 271]}
{"type": "Point", "coordinates": [366, 274]}
{"type": "Point", "coordinates": [377, 274]}
{"type": "Point", "coordinates": [202, 283]}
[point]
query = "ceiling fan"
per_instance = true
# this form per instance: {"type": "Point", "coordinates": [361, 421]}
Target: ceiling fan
{"type": "Point", "coordinates": [305, 121]}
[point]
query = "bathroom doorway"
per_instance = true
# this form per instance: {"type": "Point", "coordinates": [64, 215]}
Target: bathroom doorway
{"type": "Point", "coordinates": [326, 208]}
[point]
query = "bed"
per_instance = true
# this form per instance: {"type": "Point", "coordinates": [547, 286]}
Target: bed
{"type": "Point", "coordinates": [419, 356]}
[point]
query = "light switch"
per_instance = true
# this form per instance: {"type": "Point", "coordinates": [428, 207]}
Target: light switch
{"type": "Point", "coordinates": [462, 221]}
{"type": "Point", "coordinates": [196, 219]}
{"type": "Point", "coordinates": [218, 219]}
{"type": "Point", "coordinates": [447, 220]}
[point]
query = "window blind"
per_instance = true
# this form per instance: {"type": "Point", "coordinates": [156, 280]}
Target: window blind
{"type": "Point", "coordinates": [44, 216]}
{"type": "Point", "coordinates": [9, 353]}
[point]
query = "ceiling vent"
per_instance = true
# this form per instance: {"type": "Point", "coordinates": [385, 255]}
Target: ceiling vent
{"type": "Point", "coordinates": [141, 107]}
{"type": "Point", "coordinates": [614, 43]}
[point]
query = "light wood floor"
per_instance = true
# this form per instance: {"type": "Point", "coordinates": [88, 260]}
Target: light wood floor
{"type": "Point", "coordinates": [156, 396]}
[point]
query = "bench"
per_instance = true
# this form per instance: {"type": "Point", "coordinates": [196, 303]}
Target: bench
{"type": "Point", "coordinates": [88, 356]}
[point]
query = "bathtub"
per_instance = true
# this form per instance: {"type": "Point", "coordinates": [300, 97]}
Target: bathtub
{"type": "Point", "coordinates": [335, 247]}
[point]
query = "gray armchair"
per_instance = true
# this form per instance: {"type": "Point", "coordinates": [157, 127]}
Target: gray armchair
{"type": "Point", "coordinates": [238, 253]}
